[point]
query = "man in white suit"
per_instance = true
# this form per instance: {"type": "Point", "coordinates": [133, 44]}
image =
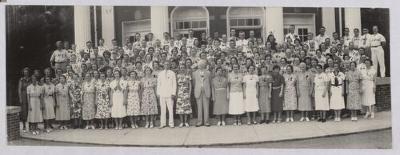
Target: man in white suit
{"type": "Point", "coordinates": [166, 92]}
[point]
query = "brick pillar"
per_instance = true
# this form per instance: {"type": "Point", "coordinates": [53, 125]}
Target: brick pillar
{"type": "Point", "coordinates": [13, 129]}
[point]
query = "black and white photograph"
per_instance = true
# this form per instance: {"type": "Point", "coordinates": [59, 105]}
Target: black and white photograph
{"type": "Point", "coordinates": [198, 76]}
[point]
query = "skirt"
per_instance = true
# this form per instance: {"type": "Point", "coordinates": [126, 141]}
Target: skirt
{"type": "Point", "coordinates": [263, 100]}
{"type": "Point", "coordinates": [63, 110]}
{"type": "Point", "coordinates": [337, 99]}
{"type": "Point", "coordinates": [88, 107]}
{"type": "Point", "coordinates": [304, 102]}
{"type": "Point", "coordinates": [276, 101]}
{"type": "Point", "coordinates": [236, 103]}
{"type": "Point", "coordinates": [221, 105]}
{"type": "Point", "coordinates": [48, 112]}
{"type": "Point", "coordinates": [118, 109]}
{"type": "Point", "coordinates": [35, 114]}
{"type": "Point", "coordinates": [354, 97]}
{"type": "Point", "coordinates": [368, 95]}
{"type": "Point", "coordinates": [321, 103]}
{"type": "Point", "coordinates": [251, 101]}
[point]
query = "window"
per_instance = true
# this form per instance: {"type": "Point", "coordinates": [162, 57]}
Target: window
{"type": "Point", "coordinates": [303, 33]}
{"type": "Point", "coordinates": [248, 22]}
{"type": "Point", "coordinates": [185, 25]}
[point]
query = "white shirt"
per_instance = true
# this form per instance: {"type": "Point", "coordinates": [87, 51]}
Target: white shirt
{"type": "Point", "coordinates": [356, 41]}
{"type": "Point", "coordinates": [365, 40]}
{"type": "Point", "coordinates": [377, 39]}
{"type": "Point", "coordinates": [59, 56]}
{"type": "Point", "coordinates": [242, 42]}
{"type": "Point", "coordinates": [320, 39]}
{"type": "Point", "coordinates": [166, 83]}
{"type": "Point", "coordinates": [101, 50]}
{"type": "Point", "coordinates": [291, 36]}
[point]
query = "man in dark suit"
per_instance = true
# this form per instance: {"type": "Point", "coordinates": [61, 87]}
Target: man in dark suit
{"type": "Point", "coordinates": [202, 92]}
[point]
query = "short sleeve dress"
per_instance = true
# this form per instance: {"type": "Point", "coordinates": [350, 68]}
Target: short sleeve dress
{"type": "Point", "coordinates": [236, 102]}
{"type": "Point", "coordinates": [183, 105]}
{"type": "Point", "coordinates": [263, 98]}
{"type": "Point", "coordinates": [75, 91]}
{"type": "Point", "coordinates": [337, 83]}
{"type": "Point", "coordinates": [88, 106]}
{"type": "Point", "coordinates": [221, 105]}
{"type": "Point", "coordinates": [367, 85]}
{"type": "Point", "coordinates": [133, 106]}
{"type": "Point", "coordinates": [354, 96]}
{"type": "Point", "coordinates": [103, 109]}
{"type": "Point", "coordinates": [35, 113]}
{"type": "Point", "coordinates": [305, 83]}
{"type": "Point", "coordinates": [251, 100]}
{"type": "Point", "coordinates": [320, 86]}
{"type": "Point", "coordinates": [49, 94]}
{"type": "Point", "coordinates": [24, 83]}
{"type": "Point", "coordinates": [276, 100]}
{"type": "Point", "coordinates": [289, 92]}
{"type": "Point", "coordinates": [118, 109]}
{"type": "Point", "coordinates": [149, 99]}
{"type": "Point", "coordinates": [62, 97]}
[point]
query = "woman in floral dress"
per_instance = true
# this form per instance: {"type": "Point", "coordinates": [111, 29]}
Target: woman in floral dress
{"type": "Point", "coordinates": [304, 88]}
{"type": "Point", "coordinates": [290, 95]}
{"type": "Point", "coordinates": [76, 97]}
{"type": "Point", "coordinates": [368, 76]}
{"type": "Point", "coordinates": [183, 107]}
{"type": "Point", "coordinates": [89, 96]}
{"type": "Point", "coordinates": [353, 90]}
{"type": "Point", "coordinates": [103, 108]}
{"type": "Point", "coordinates": [134, 98]}
{"type": "Point", "coordinates": [149, 100]}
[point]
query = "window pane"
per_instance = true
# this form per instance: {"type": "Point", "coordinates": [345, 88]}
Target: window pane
{"type": "Point", "coordinates": [203, 24]}
{"type": "Point", "coordinates": [256, 22]}
{"type": "Point", "coordinates": [186, 25]}
{"type": "Point", "coordinates": [179, 25]}
{"type": "Point", "coordinates": [195, 24]}
{"type": "Point", "coordinates": [249, 22]}
{"type": "Point", "coordinates": [233, 22]}
{"type": "Point", "coordinates": [241, 22]}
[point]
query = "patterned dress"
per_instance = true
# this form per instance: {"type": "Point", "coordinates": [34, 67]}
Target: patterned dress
{"type": "Point", "coordinates": [133, 107]}
{"type": "Point", "coordinates": [23, 84]}
{"type": "Point", "coordinates": [88, 107]}
{"type": "Point", "coordinates": [63, 110]}
{"type": "Point", "coordinates": [289, 92]}
{"type": "Point", "coordinates": [368, 95]}
{"type": "Point", "coordinates": [149, 99]}
{"type": "Point", "coordinates": [354, 96]}
{"type": "Point", "coordinates": [76, 96]}
{"type": "Point", "coordinates": [183, 99]}
{"type": "Point", "coordinates": [103, 109]}
{"type": "Point", "coordinates": [304, 83]}
{"type": "Point", "coordinates": [263, 97]}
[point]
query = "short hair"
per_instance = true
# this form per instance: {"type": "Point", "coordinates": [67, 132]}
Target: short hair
{"type": "Point", "coordinates": [276, 67]}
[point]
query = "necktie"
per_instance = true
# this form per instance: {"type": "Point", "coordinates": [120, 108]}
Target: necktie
{"type": "Point", "coordinates": [336, 81]}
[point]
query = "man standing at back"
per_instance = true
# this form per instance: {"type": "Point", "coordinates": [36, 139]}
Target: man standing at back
{"type": "Point", "coordinates": [202, 92]}
{"type": "Point", "coordinates": [377, 52]}
{"type": "Point", "coordinates": [59, 57]}
{"type": "Point", "coordinates": [166, 92]}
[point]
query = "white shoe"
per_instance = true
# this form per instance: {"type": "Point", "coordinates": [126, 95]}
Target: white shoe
{"type": "Point", "coordinates": [219, 123]}
{"type": "Point", "coordinates": [301, 119]}
{"type": "Point", "coordinates": [223, 123]}
{"type": "Point", "coordinates": [366, 115]}
{"type": "Point", "coordinates": [181, 125]}
{"type": "Point", "coordinates": [186, 124]}
{"type": "Point", "coordinates": [307, 119]}
{"type": "Point", "coordinates": [355, 118]}
{"type": "Point", "coordinates": [287, 119]}
{"type": "Point", "coordinates": [291, 119]}
{"type": "Point", "coordinates": [235, 124]}
{"type": "Point", "coordinates": [151, 125]}
{"type": "Point", "coordinates": [338, 119]}
{"type": "Point", "coordinates": [372, 115]}
{"type": "Point", "coordinates": [86, 127]}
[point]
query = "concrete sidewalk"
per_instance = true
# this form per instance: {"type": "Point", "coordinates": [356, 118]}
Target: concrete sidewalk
{"type": "Point", "coordinates": [214, 135]}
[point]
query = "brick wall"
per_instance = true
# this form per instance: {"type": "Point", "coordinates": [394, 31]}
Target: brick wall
{"type": "Point", "coordinates": [13, 126]}
{"type": "Point", "coordinates": [383, 97]}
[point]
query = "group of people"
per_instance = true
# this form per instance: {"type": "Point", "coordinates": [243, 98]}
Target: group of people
{"type": "Point", "coordinates": [182, 75]}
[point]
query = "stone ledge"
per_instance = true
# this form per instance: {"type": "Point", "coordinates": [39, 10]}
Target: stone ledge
{"type": "Point", "coordinates": [13, 109]}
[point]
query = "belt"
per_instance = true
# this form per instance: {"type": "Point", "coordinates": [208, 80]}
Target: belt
{"type": "Point", "coordinates": [49, 95]}
{"type": "Point", "coordinates": [277, 87]}
{"type": "Point", "coordinates": [220, 88]}
{"type": "Point", "coordinates": [337, 85]}
{"type": "Point", "coordinates": [376, 46]}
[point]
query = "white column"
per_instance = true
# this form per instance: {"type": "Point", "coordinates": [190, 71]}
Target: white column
{"type": "Point", "coordinates": [352, 19]}
{"type": "Point", "coordinates": [274, 23]}
{"type": "Point", "coordinates": [159, 21]}
{"type": "Point", "coordinates": [107, 25]}
{"type": "Point", "coordinates": [328, 20]}
{"type": "Point", "coordinates": [82, 26]}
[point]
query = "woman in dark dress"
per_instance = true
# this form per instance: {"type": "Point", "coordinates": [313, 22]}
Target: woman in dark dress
{"type": "Point", "coordinates": [24, 82]}
{"type": "Point", "coordinates": [277, 94]}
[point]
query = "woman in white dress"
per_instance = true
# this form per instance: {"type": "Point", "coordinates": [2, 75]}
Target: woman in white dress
{"type": "Point", "coordinates": [250, 85]}
{"type": "Point", "coordinates": [118, 99]}
{"type": "Point", "coordinates": [321, 88]}
{"type": "Point", "coordinates": [49, 103]}
{"type": "Point", "coordinates": [368, 77]}
{"type": "Point", "coordinates": [290, 93]}
{"type": "Point", "coordinates": [235, 89]}
{"type": "Point", "coordinates": [337, 92]}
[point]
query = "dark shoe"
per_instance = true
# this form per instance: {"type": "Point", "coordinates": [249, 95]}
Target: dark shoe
{"type": "Point", "coordinates": [319, 120]}
{"type": "Point", "coordinates": [162, 127]}
{"type": "Point", "coordinates": [323, 120]}
{"type": "Point", "coordinates": [262, 121]}
{"type": "Point", "coordinates": [207, 124]}
{"type": "Point", "coordinates": [267, 121]}
{"type": "Point", "coordinates": [199, 124]}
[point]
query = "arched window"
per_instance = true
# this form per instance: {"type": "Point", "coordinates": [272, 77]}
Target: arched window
{"type": "Point", "coordinates": [185, 18]}
{"type": "Point", "coordinates": [246, 19]}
